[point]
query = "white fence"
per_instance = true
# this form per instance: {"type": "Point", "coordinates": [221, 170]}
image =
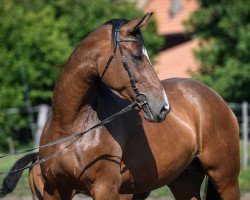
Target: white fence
{"type": "Point", "coordinates": [241, 111]}
{"type": "Point", "coordinates": [245, 131]}
{"type": "Point", "coordinates": [36, 125]}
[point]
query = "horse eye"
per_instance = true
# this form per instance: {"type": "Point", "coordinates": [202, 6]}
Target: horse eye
{"type": "Point", "coordinates": [137, 58]}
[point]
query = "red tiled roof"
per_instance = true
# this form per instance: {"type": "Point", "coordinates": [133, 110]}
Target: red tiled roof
{"type": "Point", "coordinates": [177, 61]}
{"type": "Point", "coordinates": [168, 24]}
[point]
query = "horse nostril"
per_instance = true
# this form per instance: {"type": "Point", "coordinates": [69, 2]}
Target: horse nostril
{"type": "Point", "coordinates": [165, 109]}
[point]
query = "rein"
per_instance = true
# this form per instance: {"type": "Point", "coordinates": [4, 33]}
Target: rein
{"type": "Point", "coordinates": [65, 139]}
{"type": "Point", "coordinates": [139, 100]}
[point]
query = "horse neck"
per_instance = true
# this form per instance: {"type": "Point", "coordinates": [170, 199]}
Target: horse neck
{"type": "Point", "coordinates": [75, 90]}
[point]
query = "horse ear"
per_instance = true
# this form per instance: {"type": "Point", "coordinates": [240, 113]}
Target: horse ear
{"type": "Point", "coordinates": [136, 24]}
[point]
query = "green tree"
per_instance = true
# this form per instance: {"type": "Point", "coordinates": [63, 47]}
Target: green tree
{"type": "Point", "coordinates": [36, 38]}
{"type": "Point", "coordinates": [224, 26]}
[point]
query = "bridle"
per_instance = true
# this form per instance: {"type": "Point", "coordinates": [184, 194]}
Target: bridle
{"type": "Point", "coordinates": [139, 98]}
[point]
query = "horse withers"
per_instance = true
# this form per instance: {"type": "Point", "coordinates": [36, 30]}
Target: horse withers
{"type": "Point", "coordinates": [132, 154]}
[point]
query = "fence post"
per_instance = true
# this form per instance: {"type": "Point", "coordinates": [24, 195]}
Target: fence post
{"type": "Point", "coordinates": [11, 145]}
{"type": "Point", "coordinates": [41, 119]}
{"type": "Point", "coordinates": [245, 134]}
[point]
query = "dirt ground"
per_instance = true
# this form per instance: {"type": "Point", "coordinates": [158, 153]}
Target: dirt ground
{"type": "Point", "coordinates": [245, 196]}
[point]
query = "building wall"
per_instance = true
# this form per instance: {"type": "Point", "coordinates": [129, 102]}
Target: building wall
{"type": "Point", "coordinates": [176, 59]}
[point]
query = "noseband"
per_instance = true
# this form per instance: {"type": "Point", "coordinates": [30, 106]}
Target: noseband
{"type": "Point", "coordinates": [139, 98]}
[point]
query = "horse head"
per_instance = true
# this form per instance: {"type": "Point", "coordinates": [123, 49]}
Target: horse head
{"type": "Point", "coordinates": [129, 70]}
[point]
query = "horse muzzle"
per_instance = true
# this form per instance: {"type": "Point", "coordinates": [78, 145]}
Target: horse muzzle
{"type": "Point", "coordinates": [150, 112]}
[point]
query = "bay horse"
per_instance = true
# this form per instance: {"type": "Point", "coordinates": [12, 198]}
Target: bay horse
{"type": "Point", "coordinates": [141, 150]}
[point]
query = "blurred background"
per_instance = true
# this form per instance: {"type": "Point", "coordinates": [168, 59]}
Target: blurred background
{"type": "Point", "coordinates": [207, 40]}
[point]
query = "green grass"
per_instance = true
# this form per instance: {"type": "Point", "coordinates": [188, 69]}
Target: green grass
{"type": "Point", "coordinates": [163, 191]}
{"type": "Point", "coordinates": [23, 187]}
{"type": "Point", "coordinates": [245, 174]}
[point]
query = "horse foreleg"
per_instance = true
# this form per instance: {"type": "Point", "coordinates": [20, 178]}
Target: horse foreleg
{"type": "Point", "coordinates": [187, 185]}
{"type": "Point", "coordinates": [106, 190]}
{"type": "Point", "coordinates": [57, 191]}
{"type": "Point", "coordinates": [126, 196]}
{"type": "Point", "coordinates": [56, 195]}
{"type": "Point", "coordinates": [48, 196]}
{"type": "Point", "coordinates": [36, 183]}
{"type": "Point", "coordinates": [222, 165]}
{"type": "Point", "coordinates": [141, 196]}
